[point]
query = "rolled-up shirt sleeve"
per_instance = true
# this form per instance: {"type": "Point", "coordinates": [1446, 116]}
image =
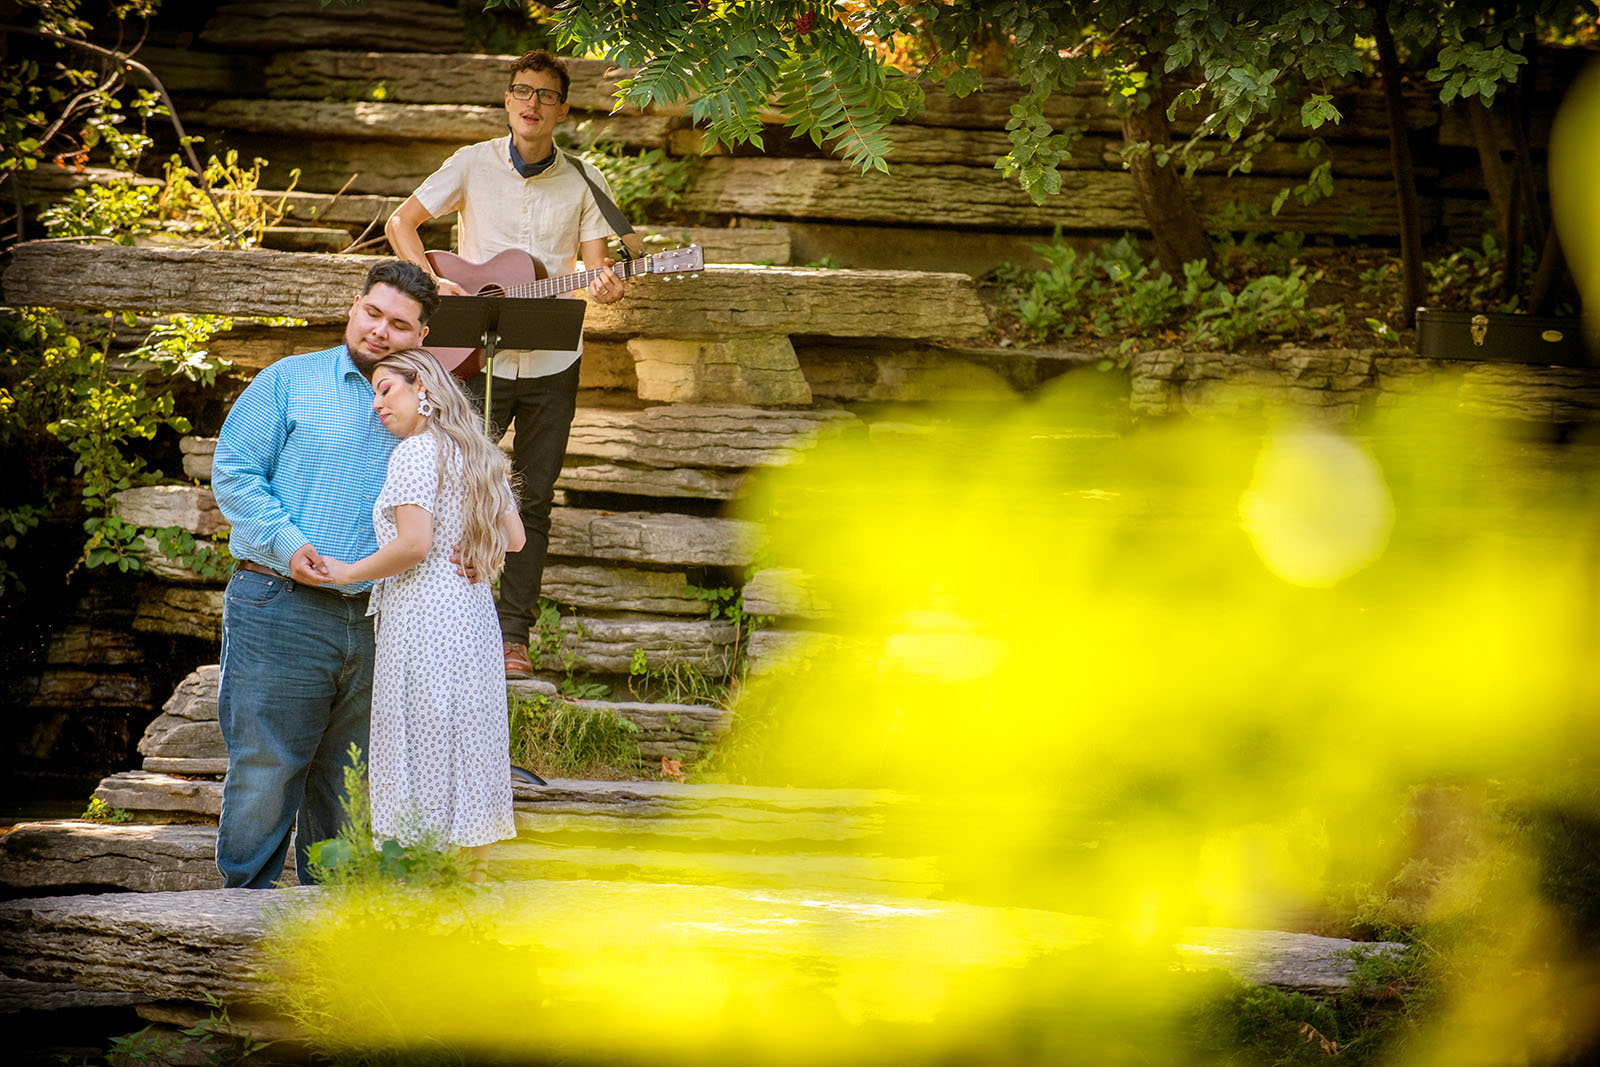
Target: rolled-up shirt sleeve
{"type": "Point", "coordinates": [252, 438]}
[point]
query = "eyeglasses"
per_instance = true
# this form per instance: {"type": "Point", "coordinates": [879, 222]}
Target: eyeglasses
{"type": "Point", "coordinates": [548, 97]}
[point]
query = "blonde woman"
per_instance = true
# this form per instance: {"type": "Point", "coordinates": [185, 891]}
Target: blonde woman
{"type": "Point", "coordinates": [440, 760]}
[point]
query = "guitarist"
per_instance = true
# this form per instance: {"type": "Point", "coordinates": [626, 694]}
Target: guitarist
{"type": "Point", "coordinates": [518, 191]}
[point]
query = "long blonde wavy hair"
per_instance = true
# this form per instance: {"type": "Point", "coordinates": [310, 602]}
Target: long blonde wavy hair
{"type": "Point", "coordinates": [485, 471]}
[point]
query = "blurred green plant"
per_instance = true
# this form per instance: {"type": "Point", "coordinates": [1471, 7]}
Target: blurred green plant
{"type": "Point", "coordinates": [77, 418]}
{"type": "Point", "coordinates": [640, 181]}
{"type": "Point", "coordinates": [1116, 293]}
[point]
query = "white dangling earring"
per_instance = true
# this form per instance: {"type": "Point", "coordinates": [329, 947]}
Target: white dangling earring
{"type": "Point", "coordinates": [424, 405]}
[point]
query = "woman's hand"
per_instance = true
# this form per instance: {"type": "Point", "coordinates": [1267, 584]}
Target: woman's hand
{"type": "Point", "coordinates": [338, 571]}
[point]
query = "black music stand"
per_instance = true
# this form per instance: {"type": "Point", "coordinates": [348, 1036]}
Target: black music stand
{"type": "Point", "coordinates": [490, 322]}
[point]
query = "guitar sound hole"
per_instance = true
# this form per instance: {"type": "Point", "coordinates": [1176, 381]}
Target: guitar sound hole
{"type": "Point", "coordinates": [491, 290]}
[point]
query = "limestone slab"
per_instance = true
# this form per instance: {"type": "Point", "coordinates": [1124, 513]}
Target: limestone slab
{"type": "Point", "coordinates": [684, 482]}
{"type": "Point", "coordinates": [198, 452]}
{"type": "Point", "coordinates": [907, 878]}
{"type": "Point", "coordinates": [606, 644]}
{"type": "Point", "coordinates": [405, 25]}
{"type": "Point", "coordinates": [165, 945]}
{"type": "Point", "coordinates": [89, 644]}
{"type": "Point", "coordinates": [164, 795]}
{"type": "Point", "coordinates": [621, 589]}
{"type": "Point", "coordinates": [195, 698]}
{"type": "Point", "coordinates": [193, 70]}
{"type": "Point", "coordinates": [188, 507]}
{"type": "Point", "coordinates": [183, 610]}
{"type": "Point", "coordinates": [252, 347]}
{"type": "Point", "coordinates": [726, 301]}
{"type": "Point", "coordinates": [965, 196]}
{"type": "Point", "coordinates": [143, 858]}
{"type": "Point", "coordinates": [1337, 384]}
{"type": "Point", "coordinates": [693, 435]}
{"type": "Point", "coordinates": [651, 537]}
{"type": "Point", "coordinates": [181, 765]}
{"type": "Point", "coordinates": [771, 650]}
{"type": "Point", "coordinates": [183, 946]}
{"type": "Point", "coordinates": [360, 120]}
{"type": "Point", "coordinates": [424, 77]}
{"type": "Point", "coordinates": [782, 591]}
{"type": "Point", "coordinates": [76, 689]}
{"type": "Point", "coordinates": [738, 301]}
{"type": "Point", "coordinates": [767, 245]}
{"type": "Point", "coordinates": [19, 995]}
{"type": "Point", "coordinates": [670, 731]}
{"type": "Point", "coordinates": [743, 370]}
{"type": "Point", "coordinates": [172, 738]}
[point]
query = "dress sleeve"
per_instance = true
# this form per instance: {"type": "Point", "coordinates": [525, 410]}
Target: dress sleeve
{"type": "Point", "coordinates": [413, 476]}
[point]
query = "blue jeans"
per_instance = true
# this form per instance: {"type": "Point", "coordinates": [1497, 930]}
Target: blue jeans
{"type": "Point", "coordinates": [296, 692]}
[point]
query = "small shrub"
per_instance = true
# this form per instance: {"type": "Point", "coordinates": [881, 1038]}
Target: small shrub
{"type": "Point", "coordinates": [99, 811]}
{"type": "Point", "coordinates": [557, 739]}
{"type": "Point", "coordinates": [1117, 292]}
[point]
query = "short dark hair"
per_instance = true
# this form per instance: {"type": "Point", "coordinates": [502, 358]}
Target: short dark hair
{"type": "Point", "coordinates": [407, 278]}
{"type": "Point", "coordinates": [535, 61]}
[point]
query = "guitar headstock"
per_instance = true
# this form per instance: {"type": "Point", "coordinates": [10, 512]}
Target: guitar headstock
{"type": "Point", "coordinates": [678, 260]}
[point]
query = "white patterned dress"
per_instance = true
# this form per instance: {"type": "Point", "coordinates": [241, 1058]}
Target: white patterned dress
{"type": "Point", "coordinates": [440, 760]}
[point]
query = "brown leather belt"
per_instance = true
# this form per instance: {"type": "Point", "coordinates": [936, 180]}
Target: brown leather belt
{"type": "Point", "coordinates": [256, 568]}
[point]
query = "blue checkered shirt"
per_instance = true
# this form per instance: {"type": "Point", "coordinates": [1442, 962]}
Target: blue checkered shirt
{"type": "Point", "coordinates": [300, 459]}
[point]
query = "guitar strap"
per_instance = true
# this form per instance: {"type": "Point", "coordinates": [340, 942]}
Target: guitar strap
{"type": "Point", "coordinates": [619, 225]}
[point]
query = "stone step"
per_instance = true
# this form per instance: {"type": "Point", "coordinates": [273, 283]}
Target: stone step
{"type": "Point", "coordinates": [607, 644]}
{"type": "Point", "coordinates": [669, 809]}
{"type": "Point", "coordinates": [569, 829]}
{"type": "Point", "coordinates": [452, 125]}
{"type": "Point", "coordinates": [621, 589]}
{"type": "Point", "coordinates": [287, 24]}
{"type": "Point", "coordinates": [426, 78]}
{"type": "Point", "coordinates": [185, 946]}
{"type": "Point", "coordinates": [784, 593]}
{"type": "Point", "coordinates": [652, 537]}
{"type": "Point", "coordinates": [305, 239]}
{"type": "Point", "coordinates": [726, 301]}
{"type": "Point", "coordinates": [635, 536]}
{"type": "Point", "coordinates": [324, 134]}
{"type": "Point", "coordinates": [907, 878]}
{"type": "Point", "coordinates": [699, 435]}
{"type": "Point", "coordinates": [18, 995]}
{"type": "Point", "coordinates": [143, 858]}
{"type": "Point", "coordinates": [677, 450]}
{"type": "Point", "coordinates": [960, 196]}
{"type": "Point", "coordinates": [185, 737]}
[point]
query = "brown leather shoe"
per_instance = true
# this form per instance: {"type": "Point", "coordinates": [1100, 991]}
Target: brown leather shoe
{"type": "Point", "coordinates": [518, 665]}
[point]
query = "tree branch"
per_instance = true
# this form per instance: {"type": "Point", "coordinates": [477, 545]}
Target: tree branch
{"type": "Point", "coordinates": [172, 111]}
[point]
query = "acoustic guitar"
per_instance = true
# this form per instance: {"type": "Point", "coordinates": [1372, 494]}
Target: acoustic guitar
{"type": "Point", "coordinates": [514, 273]}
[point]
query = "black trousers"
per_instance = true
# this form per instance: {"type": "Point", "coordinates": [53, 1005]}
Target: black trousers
{"type": "Point", "coordinates": [540, 410]}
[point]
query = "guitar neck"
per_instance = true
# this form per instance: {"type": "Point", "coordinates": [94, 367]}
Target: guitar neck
{"type": "Point", "coordinates": [567, 283]}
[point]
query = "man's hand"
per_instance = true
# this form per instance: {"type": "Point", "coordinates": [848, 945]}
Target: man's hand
{"type": "Point", "coordinates": [307, 568]}
{"type": "Point", "coordinates": [466, 570]}
{"type": "Point", "coordinates": [607, 287]}
{"type": "Point", "coordinates": [450, 288]}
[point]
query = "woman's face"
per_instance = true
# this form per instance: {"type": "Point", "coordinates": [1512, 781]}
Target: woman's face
{"type": "Point", "coordinates": [395, 400]}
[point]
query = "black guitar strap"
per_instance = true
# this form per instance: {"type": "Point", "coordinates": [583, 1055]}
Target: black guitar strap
{"type": "Point", "coordinates": [619, 224]}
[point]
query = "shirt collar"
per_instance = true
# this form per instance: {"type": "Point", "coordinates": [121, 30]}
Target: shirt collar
{"type": "Point", "coordinates": [529, 170]}
{"type": "Point", "coordinates": [347, 365]}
